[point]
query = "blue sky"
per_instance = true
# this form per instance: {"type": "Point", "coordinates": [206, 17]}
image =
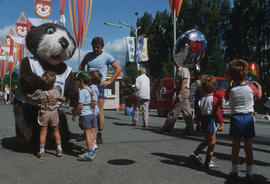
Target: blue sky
{"type": "Point", "coordinates": [103, 11]}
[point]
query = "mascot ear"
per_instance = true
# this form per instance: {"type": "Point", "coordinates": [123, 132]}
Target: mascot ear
{"type": "Point", "coordinates": [32, 27]}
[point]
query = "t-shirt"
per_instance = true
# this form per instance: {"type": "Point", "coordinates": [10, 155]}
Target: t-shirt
{"type": "Point", "coordinates": [143, 87]}
{"type": "Point", "coordinates": [241, 98]}
{"type": "Point", "coordinates": [95, 93]}
{"type": "Point", "coordinates": [181, 74]}
{"type": "Point", "coordinates": [85, 98]}
{"type": "Point", "coordinates": [209, 105]}
{"type": "Point", "coordinates": [98, 62]}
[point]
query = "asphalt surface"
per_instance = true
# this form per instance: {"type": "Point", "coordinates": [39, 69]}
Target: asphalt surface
{"type": "Point", "coordinates": [129, 156]}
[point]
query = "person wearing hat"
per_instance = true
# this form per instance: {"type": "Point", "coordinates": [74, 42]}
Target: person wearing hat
{"type": "Point", "coordinates": [87, 120]}
{"type": "Point", "coordinates": [99, 60]}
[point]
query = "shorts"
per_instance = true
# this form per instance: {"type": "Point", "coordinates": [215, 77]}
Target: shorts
{"type": "Point", "coordinates": [101, 91]}
{"type": "Point", "coordinates": [242, 125]}
{"type": "Point", "coordinates": [208, 124]}
{"type": "Point", "coordinates": [88, 121]}
{"type": "Point", "coordinates": [48, 118]}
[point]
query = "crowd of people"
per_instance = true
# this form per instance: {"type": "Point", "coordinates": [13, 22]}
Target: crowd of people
{"type": "Point", "coordinates": [8, 94]}
{"type": "Point", "coordinates": [91, 85]}
{"type": "Point", "coordinates": [241, 94]}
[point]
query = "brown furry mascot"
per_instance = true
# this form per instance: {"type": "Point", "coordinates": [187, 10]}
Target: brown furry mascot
{"type": "Point", "coordinates": [50, 45]}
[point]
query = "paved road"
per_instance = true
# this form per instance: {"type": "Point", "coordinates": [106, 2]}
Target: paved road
{"type": "Point", "coordinates": [128, 156]}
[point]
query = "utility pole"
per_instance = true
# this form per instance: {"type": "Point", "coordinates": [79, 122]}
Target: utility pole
{"type": "Point", "coordinates": [131, 28]}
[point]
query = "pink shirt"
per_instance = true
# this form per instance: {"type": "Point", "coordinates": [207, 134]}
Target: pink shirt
{"type": "Point", "coordinates": [241, 98]}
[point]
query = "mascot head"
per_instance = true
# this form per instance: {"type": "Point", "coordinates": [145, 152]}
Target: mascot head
{"type": "Point", "coordinates": [50, 42]}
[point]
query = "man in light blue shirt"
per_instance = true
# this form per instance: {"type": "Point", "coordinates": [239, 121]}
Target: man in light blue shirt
{"type": "Point", "coordinates": [99, 60]}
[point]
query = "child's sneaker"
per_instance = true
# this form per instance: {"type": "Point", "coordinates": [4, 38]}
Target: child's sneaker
{"type": "Point", "coordinates": [41, 155]}
{"type": "Point", "coordinates": [59, 152]}
{"type": "Point", "coordinates": [196, 158]}
{"type": "Point", "coordinates": [210, 165]}
{"type": "Point", "coordinates": [86, 157]}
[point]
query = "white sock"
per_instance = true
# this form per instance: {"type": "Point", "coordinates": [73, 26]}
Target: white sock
{"type": "Point", "coordinates": [249, 170]}
{"type": "Point", "coordinates": [59, 145]}
{"type": "Point", "coordinates": [41, 148]}
{"type": "Point", "coordinates": [235, 168]}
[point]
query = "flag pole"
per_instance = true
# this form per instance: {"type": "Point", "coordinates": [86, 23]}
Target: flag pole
{"type": "Point", "coordinates": [79, 59]}
{"type": "Point", "coordinates": [174, 40]}
{"type": "Point", "coordinates": [2, 87]}
{"type": "Point", "coordinates": [10, 91]}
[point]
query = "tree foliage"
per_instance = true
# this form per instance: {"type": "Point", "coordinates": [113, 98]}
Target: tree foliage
{"type": "Point", "coordinates": [238, 30]}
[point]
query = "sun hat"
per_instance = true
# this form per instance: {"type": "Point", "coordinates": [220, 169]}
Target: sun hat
{"type": "Point", "coordinates": [82, 75]}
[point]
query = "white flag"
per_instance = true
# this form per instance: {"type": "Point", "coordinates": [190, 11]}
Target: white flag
{"type": "Point", "coordinates": [130, 48]}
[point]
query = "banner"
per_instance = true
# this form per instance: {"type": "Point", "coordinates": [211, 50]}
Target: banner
{"type": "Point", "coordinates": [144, 54]}
{"type": "Point", "coordinates": [80, 26]}
{"type": "Point", "coordinates": [175, 6]}
{"type": "Point", "coordinates": [130, 48]}
{"type": "Point", "coordinates": [11, 65]}
{"type": "Point", "coordinates": [21, 23]}
{"type": "Point", "coordinates": [20, 53]}
{"type": "Point", "coordinates": [10, 43]}
{"type": "Point", "coordinates": [2, 52]}
{"type": "Point", "coordinates": [3, 65]}
{"type": "Point", "coordinates": [62, 12]}
{"type": "Point", "coordinates": [139, 47]}
{"type": "Point", "coordinates": [43, 8]}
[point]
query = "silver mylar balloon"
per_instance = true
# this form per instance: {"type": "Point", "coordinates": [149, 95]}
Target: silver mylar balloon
{"type": "Point", "coordinates": [189, 49]}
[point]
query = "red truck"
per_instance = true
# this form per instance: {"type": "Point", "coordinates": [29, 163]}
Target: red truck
{"type": "Point", "coordinates": [162, 95]}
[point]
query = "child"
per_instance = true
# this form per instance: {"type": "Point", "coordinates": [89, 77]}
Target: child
{"type": "Point", "coordinates": [241, 97]}
{"type": "Point", "coordinates": [209, 110]}
{"type": "Point", "coordinates": [48, 115]}
{"type": "Point", "coordinates": [87, 120]}
{"type": "Point", "coordinates": [95, 79]}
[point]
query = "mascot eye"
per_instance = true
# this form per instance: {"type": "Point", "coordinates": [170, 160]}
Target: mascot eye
{"type": "Point", "coordinates": [50, 30]}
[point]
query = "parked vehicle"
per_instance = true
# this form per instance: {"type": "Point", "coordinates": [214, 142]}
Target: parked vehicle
{"type": "Point", "coordinates": [162, 95]}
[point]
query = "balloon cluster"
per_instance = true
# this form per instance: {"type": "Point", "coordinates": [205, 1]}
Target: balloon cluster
{"type": "Point", "coordinates": [253, 72]}
{"type": "Point", "coordinates": [189, 50]}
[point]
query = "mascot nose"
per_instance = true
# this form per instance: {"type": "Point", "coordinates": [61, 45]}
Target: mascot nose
{"type": "Point", "coordinates": [64, 43]}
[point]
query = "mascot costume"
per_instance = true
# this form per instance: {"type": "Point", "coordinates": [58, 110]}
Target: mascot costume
{"type": "Point", "coordinates": [50, 45]}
